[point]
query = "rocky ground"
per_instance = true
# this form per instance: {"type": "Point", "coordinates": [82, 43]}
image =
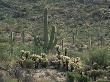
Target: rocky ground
{"type": "Point", "coordinates": [32, 75]}
{"type": "Point", "coordinates": [49, 75]}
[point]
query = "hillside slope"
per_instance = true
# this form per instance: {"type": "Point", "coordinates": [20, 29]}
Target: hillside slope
{"type": "Point", "coordinates": [76, 22]}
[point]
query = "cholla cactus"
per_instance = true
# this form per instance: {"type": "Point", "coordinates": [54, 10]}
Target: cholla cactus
{"type": "Point", "coordinates": [65, 51]}
{"type": "Point", "coordinates": [44, 62]}
{"type": "Point", "coordinates": [58, 49]}
{"type": "Point", "coordinates": [35, 57]}
{"type": "Point", "coordinates": [43, 55]}
{"type": "Point", "coordinates": [76, 64]}
{"type": "Point", "coordinates": [95, 66]}
{"type": "Point", "coordinates": [40, 60]}
{"type": "Point", "coordinates": [64, 60]}
{"type": "Point", "coordinates": [25, 54]}
{"type": "Point", "coordinates": [22, 53]}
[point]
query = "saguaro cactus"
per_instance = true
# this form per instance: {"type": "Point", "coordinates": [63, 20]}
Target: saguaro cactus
{"type": "Point", "coordinates": [11, 41]}
{"type": "Point", "coordinates": [45, 30]}
{"type": "Point", "coordinates": [23, 36]}
{"type": "Point", "coordinates": [73, 38]}
{"type": "Point", "coordinates": [50, 40]}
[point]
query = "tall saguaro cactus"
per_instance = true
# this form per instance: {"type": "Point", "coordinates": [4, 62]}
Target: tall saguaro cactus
{"type": "Point", "coordinates": [45, 30]}
{"type": "Point", "coordinates": [50, 40]}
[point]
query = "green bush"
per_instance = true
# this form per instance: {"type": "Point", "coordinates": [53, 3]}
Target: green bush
{"type": "Point", "coordinates": [4, 55]}
{"type": "Point", "coordinates": [2, 39]}
{"type": "Point", "coordinates": [76, 76]}
{"type": "Point", "coordinates": [72, 76]}
{"type": "Point", "coordinates": [21, 46]}
{"type": "Point", "coordinates": [29, 63]}
{"type": "Point", "coordinates": [99, 56]}
{"type": "Point", "coordinates": [83, 78]}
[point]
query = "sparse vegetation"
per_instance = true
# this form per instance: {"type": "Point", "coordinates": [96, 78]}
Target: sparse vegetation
{"type": "Point", "coordinates": [71, 37]}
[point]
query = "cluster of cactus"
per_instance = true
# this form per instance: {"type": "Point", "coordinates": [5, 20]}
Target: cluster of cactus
{"type": "Point", "coordinates": [61, 61]}
{"type": "Point", "coordinates": [64, 62]}
{"type": "Point", "coordinates": [32, 61]}
{"type": "Point", "coordinates": [25, 61]}
{"type": "Point", "coordinates": [67, 63]}
{"type": "Point", "coordinates": [76, 64]}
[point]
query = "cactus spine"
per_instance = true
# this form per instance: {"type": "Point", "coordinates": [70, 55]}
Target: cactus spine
{"type": "Point", "coordinates": [49, 40]}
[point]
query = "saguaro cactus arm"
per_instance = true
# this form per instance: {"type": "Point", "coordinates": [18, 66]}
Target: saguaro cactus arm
{"type": "Point", "coordinates": [52, 37]}
{"type": "Point", "coordinates": [45, 29]}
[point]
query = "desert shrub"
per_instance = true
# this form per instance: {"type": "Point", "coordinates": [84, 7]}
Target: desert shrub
{"type": "Point", "coordinates": [3, 39]}
{"type": "Point", "coordinates": [71, 76]}
{"type": "Point", "coordinates": [29, 63]}
{"type": "Point", "coordinates": [76, 76]}
{"type": "Point", "coordinates": [37, 49]}
{"type": "Point", "coordinates": [21, 46]}
{"type": "Point", "coordinates": [84, 78]}
{"type": "Point", "coordinates": [24, 46]}
{"type": "Point", "coordinates": [4, 55]}
{"type": "Point", "coordinates": [99, 56]}
{"type": "Point", "coordinates": [9, 79]}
